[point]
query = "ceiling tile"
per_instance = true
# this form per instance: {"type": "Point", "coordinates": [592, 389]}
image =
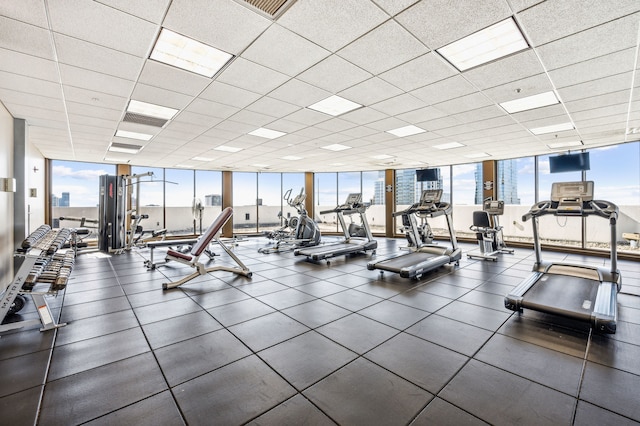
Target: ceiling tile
{"type": "Point", "coordinates": [299, 93]}
{"type": "Point", "coordinates": [370, 91]}
{"type": "Point", "coordinates": [30, 85]}
{"type": "Point", "coordinates": [598, 41]}
{"type": "Point", "coordinates": [451, 21]}
{"type": "Point", "coordinates": [151, 10]}
{"type": "Point", "coordinates": [307, 116]}
{"type": "Point", "coordinates": [399, 104]}
{"type": "Point", "coordinates": [211, 109]}
{"type": "Point", "coordinates": [102, 25]}
{"type": "Point", "coordinates": [385, 47]}
{"type": "Point", "coordinates": [229, 95]}
{"type": "Point", "coordinates": [419, 72]}
{"type": "Point", "coordinates": [443, 90]}
{"type": "Point", "coordinates": [251, 76]}
{"type": "Point", "coordinates": [201, 20]}
{"type": "Point", "coordinates": [311, 19]}
{"type": "Point", "coordinates": [90, 56]}
{"type": "Point", "coordinates": [512, 68]}
{"type": "Point", "coordinates": [520, 88]}
{"type": "Point", "coordinates": [33, 100]}
{"type": "Point", "coordinates": [172, 78]}
{"type": "Point", "coordinates": [25, 38]}
{"type": "Point", "coordinates": [90, 97]}
{"type": "Point", "coordinates": [273, 107]}
{"type": "Point", "coordinates": [363, 116]}
{"type": "Point", "coordinates": [91, 80]}
{"type": "Point", "coordinates": [570, 17]}
{"type": "Point", "coordinates": [393, 7]}
{"type": "Point", "coordinates": [421, 114]}
{"type": "Point", "coordinates": [29, 11]}
{"type": "Point", "coordinates": [604, 66]}
{"type": "Point", "coordinates": [27, 65]}
{"type": "Point", "coordinates": [334, 74]}
{"type": "Point", "coordinates": [158, 96]}
{"type": "Point", "coordinates": [276, 47]}
{"type": "Point", "coordinates": [601, 86]}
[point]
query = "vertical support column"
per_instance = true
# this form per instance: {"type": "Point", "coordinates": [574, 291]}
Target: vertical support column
{"type": "Point", "coordinates": [227, 201]}
{"type": "Point", "coordinates": [489, 179]}
{"type": "Point", "coordinates": [125, 169]}
{"type": "Point", "coordinates": [309, 190]}
{"type": "Point", "coordinates": [47, 191]}
{"type": "Point", "coordinates": [20, 137]}
{"type": "Point", "coordinates": [389, 202]}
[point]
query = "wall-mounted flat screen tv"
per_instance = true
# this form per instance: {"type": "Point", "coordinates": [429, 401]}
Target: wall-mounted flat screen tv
{"type": "Point", "coordinates": [569, 162]}
{"type": "Point", "coordinates": [427, 175]}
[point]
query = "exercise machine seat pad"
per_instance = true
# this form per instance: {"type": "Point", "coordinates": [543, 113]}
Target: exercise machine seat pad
{"type": "Point", "coordinates": [206, 238]}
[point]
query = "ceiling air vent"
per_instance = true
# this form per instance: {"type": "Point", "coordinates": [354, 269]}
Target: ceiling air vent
{"type": "Point", "coordinates": [131, 117]}
{"type": "Point", "coordinates": [270, 8]}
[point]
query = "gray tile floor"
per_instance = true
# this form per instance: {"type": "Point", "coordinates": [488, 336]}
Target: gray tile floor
{"type": "Point", "coordinates": [311, 343]}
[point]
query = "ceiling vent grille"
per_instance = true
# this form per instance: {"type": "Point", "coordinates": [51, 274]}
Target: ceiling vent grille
{"type": "Point", "coordinates": [131, 117]}
{"type": "Point", "coordinates": [270, 8]}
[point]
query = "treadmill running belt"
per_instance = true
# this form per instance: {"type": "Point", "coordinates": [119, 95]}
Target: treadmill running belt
{"type": "Point", "coordinates": [563, 294]}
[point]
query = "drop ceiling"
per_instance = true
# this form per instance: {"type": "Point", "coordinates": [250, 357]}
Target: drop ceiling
{"type": "Point", "coordinates": [71, 67]}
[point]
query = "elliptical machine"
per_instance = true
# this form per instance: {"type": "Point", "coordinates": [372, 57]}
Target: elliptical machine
{"type": "Point", "coordinates": [488, 231]}
{"type": "Point", "coordinates": [300, 231]}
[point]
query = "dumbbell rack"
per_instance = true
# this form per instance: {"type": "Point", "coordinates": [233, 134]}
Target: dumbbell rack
{"type": "Point", "coordinates": [44, 272]}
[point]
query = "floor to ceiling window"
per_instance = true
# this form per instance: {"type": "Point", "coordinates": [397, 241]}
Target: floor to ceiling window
{"type": "Point", "coordinates": [295, 183]}
{"type": "Point", "coordinates": [269, 201]}
{"type": "Point", "coordinates": [516, 186]}
{"type": "Point", "coordinates": [151, 201]}
{"type": "Point", "coordinates": [326, 198]}
{"type": "Point", "coordinates": [373, 190]}
{"type": "Point", "coordinates": [245, 202]}
{"type": "Point", "coordinates": [75, 193]}
{"type": "Point", "coordinates": [209, 194]}
{"type": "Point", "coordinates": [466, 193]}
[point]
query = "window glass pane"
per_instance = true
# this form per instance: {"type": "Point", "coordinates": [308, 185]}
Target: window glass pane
{"type": "Point", "coordinates": [563, 231]}
{"type": "Point", "coordinates": [516, 187]}
{"type": "Point", "coordinates": [245, 195]}
{"type": "Point", "coordinates": [373, 192]}
{"type": "Point", "coordinates": [295, 182]}
{"type": "Point", "coordinates": [75, 193]}
{"type": "Point", "coordinates": [209, 192]}
{"type": "Point", "coordinates": [179, 196]}
{"type": "Point", "coordinates": [269, 201]}
{"type": "Point", "coordinates": [466, 195]}
{"type": "Point", "coordinates": [438, 225]}
{"type": "Point", "coordinates": [326, 198]}
{"type": "Point", "coordinates": [151, 202]}
{"type": "Point", "coordinates": [614, 171]}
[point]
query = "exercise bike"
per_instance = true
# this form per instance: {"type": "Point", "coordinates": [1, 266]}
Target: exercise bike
{"type": "Point", "coordinates": [488, 231]}
{"type": "Point", "coordinates": [300, 231]}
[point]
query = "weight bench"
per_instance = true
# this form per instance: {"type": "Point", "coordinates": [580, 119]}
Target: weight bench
{"type": "Point", "coordinates": [152, 245]}
{"type": "Point", "coordinates": [192, 258]}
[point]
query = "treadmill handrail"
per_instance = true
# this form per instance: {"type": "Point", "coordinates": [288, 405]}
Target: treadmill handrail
{"type": "Point", "coordinates": [433, 210]}
{"type": "Point", "coordinates": [590, 208]}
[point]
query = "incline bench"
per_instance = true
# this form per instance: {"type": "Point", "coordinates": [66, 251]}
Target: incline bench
{"type": "Point", "coordinates": [192, 258]}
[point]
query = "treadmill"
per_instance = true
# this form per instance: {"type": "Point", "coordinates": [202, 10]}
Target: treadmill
{"type": "Point", "coordinates": [423, 257]}
{"type": "Point", "coordinates": [581, 292]}
{"type": "Point", "coordinates": [351, 244]}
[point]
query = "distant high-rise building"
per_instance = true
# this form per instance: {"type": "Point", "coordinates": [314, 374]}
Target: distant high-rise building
{"type": "Point", "coordinates": [408, 190]}
{"type": "Point", "coordinates": [213, 200]}
{"type": "Point", "coordinates": [64, 200]}
{"type": "Point", "coordinates": [55, 201]}
{"type": "Point", "coordinates": [378, 195]}
{"type": "Point", "coordinates": [506, 181]}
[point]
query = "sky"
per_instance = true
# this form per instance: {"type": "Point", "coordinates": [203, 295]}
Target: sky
{"type": "Point", "coordinates": [615, 170]}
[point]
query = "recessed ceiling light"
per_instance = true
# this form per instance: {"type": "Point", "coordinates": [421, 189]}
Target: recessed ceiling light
{"type": "Point", "coordinates": [133, 135]}
{"type": "Point", "coordinates": [334, 105]}
{"type": "Point", "coordinates": [406, 131]}
{"type": "Point", "coordinates": [382, 156]}
{"type": "Point", "coordinates": [336, 147]}
{"type": "Point", "coordinates": [553, 128]}
{"type": "Point", "coordinates": [151, 110]}
{"type": "Point", "coordinates": [633, 130]}
{"type": "Point", "coordinates": [261, 166]}
{"type": "Point", "coordinates": [202, 159]}
{"type": "Point", "coordinates": [226, 148]}
{"type": "Point", "coordinates": [188, 54]}
{"type": "Point", "coordinates": [336, 164]}
{"type": "Point", "coordinates": [116, 159]}
{"type": "Point", "coordinates": [123, 147]}
{"type": "Point", "coordinates": [564, 144]}
{"type": "Point", "coordinates": [183, 166]}
{"type": "Point", "coordinates": [267, 133]}
{"type": "Point", "coordinates": [448, 145]}
{"type": "Point", "coordinates": [530, 102]}
{"type": "Point", "coordinates": [494, 42]}
{"type": "Point", "coordinates": [291, 158]}
{"type": "Point", "coordinates": [477, 155]}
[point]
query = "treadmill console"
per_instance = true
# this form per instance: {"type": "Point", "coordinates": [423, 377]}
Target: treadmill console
{"type": "Point", "coordinates": [493, 207]}
{"type": "Point", "coordinates": [430, 197]}
{"type": "Point", "coordinates": [571, 197]}
{"type": "Point", "coordinates": [353, 199]}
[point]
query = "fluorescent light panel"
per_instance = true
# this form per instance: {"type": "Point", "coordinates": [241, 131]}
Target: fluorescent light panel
{"type": "Point", "coordinates": [202, 159]}
{"type": "Point", "coordinates": [564, 144]}
{"type": "Point", "coordinates": [334, 105]}
{"type": "Point", "coordinates": [183, 166]}
{"type": "Point", "coordinates": [291, 158]}
{"type": "Point", "coordinates": [553, 128]}
{"type": "Point", "coordinates": [226, 148]}
{"type": "Point", "coordinates": [449, 145]}
{"type": "Point", "coordinates": [123, 147]}
{"type": "Point", "coordinates": [486, 45]}
{"type": "Point", "coordinates": [267, 133]}
{"type": "Point", "coordinates": [477, 155]}
{"type": "Point", "coordinates": [133, 135]}
{"type": "Point", "coordinates": [188, 54]}
{"type": "Point", "coordinates": [530, 102]}
{"type": "Point", "coordinates": [336, 147]}
{"type": "Point", "coordinates": [151, 110]}
{"type": "Point", "coordinates": [406, 131]}
{"type": "Point", "coordinates": [262, 166]}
